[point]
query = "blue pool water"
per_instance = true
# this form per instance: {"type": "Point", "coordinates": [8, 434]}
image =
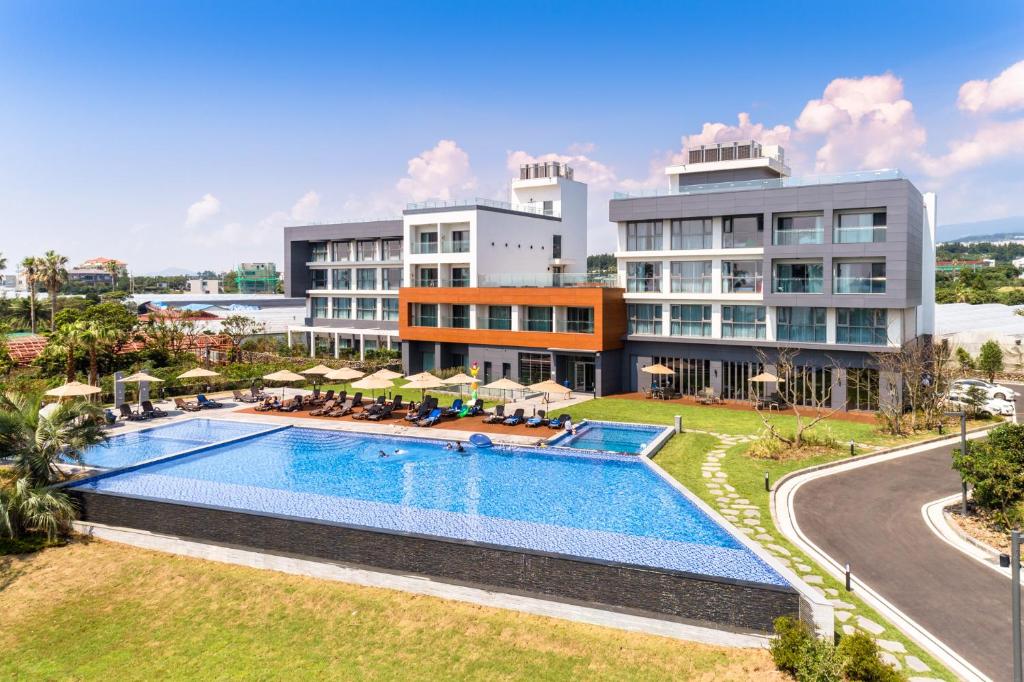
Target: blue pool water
{"type": "Point", "coordinates": [630, 439]}
{"type": "Point", "coordinates": [131, 448]}
{"type": "Point", "coordinates": [604, 507]}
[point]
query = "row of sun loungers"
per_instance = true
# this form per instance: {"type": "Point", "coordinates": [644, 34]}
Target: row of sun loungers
{"type": "Point", "coordinates": [517, 417]}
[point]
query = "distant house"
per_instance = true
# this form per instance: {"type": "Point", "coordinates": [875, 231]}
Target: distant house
{"type": "Point", "coordinates": [958, 265]}
{"type": "Point", "coordinates": [204, 286]}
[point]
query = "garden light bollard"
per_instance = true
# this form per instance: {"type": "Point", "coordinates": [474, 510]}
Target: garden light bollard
{"type": "Point", "coordinates": [679, 423]}
{"type": "Point", "coordinates": [849, 587]}
{"type": "Point", "coordinates": [767, 485]}
{"type": "Point", "coordinates": [852, 445]}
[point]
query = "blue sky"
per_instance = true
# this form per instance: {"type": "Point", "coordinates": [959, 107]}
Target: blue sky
{"type": "Point", "coordinates": [187, 134]}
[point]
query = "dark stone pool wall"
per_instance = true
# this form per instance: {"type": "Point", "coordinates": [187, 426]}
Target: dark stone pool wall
{"type": "Point", "coordinates": [718, 602]}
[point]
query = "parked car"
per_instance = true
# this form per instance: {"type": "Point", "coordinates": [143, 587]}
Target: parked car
{"type": "Point", "coordinates": [991, 390]}
{"type": "Point", "coordinates": [991, 406]}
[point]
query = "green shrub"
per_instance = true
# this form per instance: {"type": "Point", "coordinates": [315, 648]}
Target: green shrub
{"type": "Point", "coordinates": [788, 649]}
{"type": "Point", "coordinates": [995, 467]}
{"type": "Point", "coordinates": [859, 655]}
{"type": "Point", "coordinates": [806, 658]}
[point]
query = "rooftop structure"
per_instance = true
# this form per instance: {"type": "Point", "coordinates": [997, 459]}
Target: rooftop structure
{"type": "Point", "coordinates": [257, 278]}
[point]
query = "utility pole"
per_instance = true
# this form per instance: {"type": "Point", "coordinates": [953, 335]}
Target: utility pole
{"type": "Point", "coordinates": [1018, 676]}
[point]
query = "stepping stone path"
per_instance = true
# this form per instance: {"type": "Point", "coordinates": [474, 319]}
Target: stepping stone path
{"type": "Point", "coordinates": [746, 518]}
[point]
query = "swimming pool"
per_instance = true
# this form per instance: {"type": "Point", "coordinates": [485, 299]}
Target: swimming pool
{"type": "Point", "coordinates": [630, 439]}
{"type": "Point", "coordinates": [127, 449]}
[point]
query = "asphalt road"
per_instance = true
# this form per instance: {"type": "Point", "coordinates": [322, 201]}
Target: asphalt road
{"type": "Point", "coordinates": [871, 518]}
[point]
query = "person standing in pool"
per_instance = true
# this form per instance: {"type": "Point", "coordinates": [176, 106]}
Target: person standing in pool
{"type": "Point", "coordinates": [569, 428]}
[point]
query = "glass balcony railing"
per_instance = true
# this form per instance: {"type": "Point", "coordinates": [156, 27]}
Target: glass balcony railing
{"type": "Point", "coordinates": [423, 247]}
{"type": "Point", "coordinates": [770, 183]}
{"type": "Point", "coordinates": [497, 323]}
{"type": "Point", "coordinates": [535, 208]}
{"type": "Point", "coordinates": [743, 285]}
{"type": "Point", "coordinates": [455, 246]}
{"type": "Point", "coordinates": [859, 285]}
{"type": "Point", "coordinates": [799, 236]}
{"type": "Point", "coordinates": [861, 234]}
{"type": "Point", "coordinates": [548, 279]}
{"type": "Point", "coordinates": [574, 326]}
{"type": "Point", "coordinates": [442, 282]}
{"type": "Point", "coordinates": [799, 285]}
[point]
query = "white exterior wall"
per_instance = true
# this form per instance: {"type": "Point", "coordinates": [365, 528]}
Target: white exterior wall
{"type": "Point", "coordinates": [926, 311]}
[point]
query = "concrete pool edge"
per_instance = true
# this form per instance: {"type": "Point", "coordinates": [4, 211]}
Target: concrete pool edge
{"type": "Point", "coordinates": [704, 600]}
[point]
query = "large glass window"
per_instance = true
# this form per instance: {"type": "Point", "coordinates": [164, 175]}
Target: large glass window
{"type": "Point", "coordinates": [800, 324]}
{"type": "Point", "coordinates": [392, 249]}
{"type": "Point", "coordinates": [736, 379]}
{"type": "Point", "coordinates": [318, 306]}
{"type": "Point", "coordinates": [742, 277]}
{"type": "Point", "coordinates": [366, 308]}
{"type": "Point", "coordinates": [691, 234]}
{"type": "Point", "coordinates": [859, 227]}
{"type": "Point", "coordinates": [341, 308]}
{"type": "Point", "coordinates": [460, 316]}
{"type": "Point", "coordinates": [811, 386]}
{"type": "Point", "coordinates": [534, 368]}
{"type": "Point", "coordinates": [556, 246]}
{"type": "Point", "coordinates": [798, 229]}
{"type": "Point", "coordinates": [389, 308]}
{"type": "Point", "coordinates": [690, 378]}
{"type": "Point", "coordinates": [459, 242]}
{"type": "Point", "coordinates": [643, 277]}
{"type": "Point", "coordinates": [644, 318]}
{"type": "Point", "coordinates": [318, 252]}
{"type": "Point", "coordinates": [366, 250]}
{"type": "Point", "coordinates": [391, 278]}
{"type": "Point", "coordinates": [798, 278]}
{"type": "Point", "coordinates": [644, 236]}
{"type": "Point", "coordinates": [538, 318]}
{"type": "Point", "coordinates": [366, 279]}
{"type": "Point", "coordinates": [867, 326]}
{"type": "Point", "coordinates": [425, 315]}
{"type": "Point", "coordinates": [340, 251]}
{"type": "Point", "coordinates": [862, 389]}
{"type": "Point", "coordinates": [743, 232]}
{"type": "Point", "coordinates": [691, 320]}
{"type": "Point", "coordinates": [341, 279]}
{"type": "Point", "coordinates": [743, 322]}
{"type": "Point", "coordinates": [691, 276]}
{"type": "Point", "coordinates": [460, 276]}
{"type": "Point", "coordinates": [498, 317]}
{"type": "Point", "coordinates": [427, 243]}
{"type": "Point", "coordinates": [860, 278]}
{"type": "Point", "coordinates": [426, 277]}
{"type": "Point", "coordinates": [317, 279]}
{"type": "Point", "coordinates": [579, 320]}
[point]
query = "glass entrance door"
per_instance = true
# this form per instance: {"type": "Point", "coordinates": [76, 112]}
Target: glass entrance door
{"type": "Point", "coordinates": [583, 376]}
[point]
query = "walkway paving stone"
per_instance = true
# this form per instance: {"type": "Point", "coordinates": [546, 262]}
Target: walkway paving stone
{"type": "Point", "coordinates": [843, 616]}
{"type": "Point", "coordinates": [889, 645]}
{"type": "Point", "coordinates": [779, 548]}
{"type": "Point", "coordinates": [890, 659]}
{"type": "Point", "coordinates": [870, 625]}
{"type": "Point", "coordinates": [916, 664]}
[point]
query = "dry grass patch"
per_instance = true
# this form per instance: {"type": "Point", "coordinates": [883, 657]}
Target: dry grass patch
{"type": "Point", "coordinates": [88, 609]}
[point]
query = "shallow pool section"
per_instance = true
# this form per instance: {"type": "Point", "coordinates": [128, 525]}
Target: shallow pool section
{"type": "Point", "coordinates": [601, 507]}
{"type": "Point", "coordinates": [629, 439]}
{"type": "Point", "coordinates": [127, 449]}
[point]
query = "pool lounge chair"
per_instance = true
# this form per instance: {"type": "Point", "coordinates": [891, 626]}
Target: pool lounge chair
{"type": "Point", "coordinates": [516, 418]}
{"type": "Point", "coordinates": [340, 408]}
{"type": "Point", "coordinates": [267, 404]}
{"type": "Point", "coordinates": [324, 409]}
{"type": "Point", "coordinates": [432, 418]}
{"type": "Point", "coordinates": [474, 409]}
{"type": "Point", "coordinates": [421, 413]}
{"type": "Point", "coordinates": [257, 393]}
{"type": "Point", "coordinates": [321, 400]}
{"type": "Point", "coordinates": [129, 415]}
{"type": "Point", "coordinates": [559, 421]}
{"type": "Point", "coordinates": [203, 401]}
{"type": "Point", "coordinates": [190, 406]}
{"type": "Point", "coordinates": [453, 411]}
{"type": "Point", "coordinates": [349, 406]}
{"type": "Point", "coordinates": [242, 398]}
{"type": "Point", "coordinates": [497, 416]}
{"type": "Point", "coordinates": [150, 411]}
{"type": "Point", "coordinates": [537, 420]}
{"type": "Point", "coordinates": [388, 410]}
{"type": "Point", "coordinates": [373, 408]}
{"type": "Point", "coordinates": [293, 405]}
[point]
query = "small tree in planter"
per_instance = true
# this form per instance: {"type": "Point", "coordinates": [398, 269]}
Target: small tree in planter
{"type": "Point", "coordinates": [964, 359]}
{"type": "Point", "coordinates": [995, 467]}
{"type": "Point", "coordinates": [990, 359]}
{"type": "Point", "coordinates": [816, 403]}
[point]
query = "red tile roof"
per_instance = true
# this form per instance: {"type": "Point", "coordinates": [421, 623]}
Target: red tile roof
{"type": "Point", "coordinates": [25, 349]}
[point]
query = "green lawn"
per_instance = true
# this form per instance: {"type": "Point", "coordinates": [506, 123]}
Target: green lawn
{"type": "Point", "coordinates": [99, 610]}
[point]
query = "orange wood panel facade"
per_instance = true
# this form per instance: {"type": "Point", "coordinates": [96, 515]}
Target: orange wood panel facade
{"type": "Point", "coordinates": [609, 316]}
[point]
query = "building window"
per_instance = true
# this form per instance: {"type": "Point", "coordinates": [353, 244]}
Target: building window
{"type": "Point", "coordinates": [317, 279]}
{"type": "Point", "coordinates": [644, 318]}
{"type": "Point", "coordinates": [425, 315]}
{"type": "Point", "coordinates": [427, 243]}
{"type": "Point", "coordinates": [743, 232]}
{"type": "Point", "coordinates": [548, 207]}
{"type": "Point", "coordinates": [691, 234]}
{"type": "Point", "coordinates": [340, 251]}
{"type": "Point", "coordinates": [643, 277]}
{"type": "Point", "coordinates": [460, 277]}
{"type": "Point", "coordinates": [341, 308]}
{"type": "Point", "coordinates": [800, 324]}
{"type": "Point", "coordinates": [366, 308]}
{"type": "Point", "coordinates": [391, 278]}
{"type": "Point", "coordinates": [736, 379]}
{"type": "Point", "coordinates": [366, 250]}
{"type": "Point", "coordinates": [534, 368]}
{"type": "Point", "coordinates": [691, 376]}
{"type": "Point", "coordinates": [798, 278]}
{"type": "Point", "coordinates": [867, 326]}
{"type": "Point", "coordinates": [862, 389]}
{"type": "Point", "coordinates": [859, 227]}
{"type": "Point", "coordinates": [538, 318]}
{"type": "Point", "coordinates": [366, 279]}
{"type": "Point", "coordinates": [743, 322]}
{"type": "Point", "coordinates": [579, 320]}
{"type": "Point", "coordinates": [341, 280]}
{"type": "Point", "coordinates": [691, 276]}
{"type": "Point", "coordinates": [391, 249]}
{"type": "Point", "coordinates": [742, 277]}
{"type": "Point", "coordinates": [460, 316]}
{"type": "Point", "coordinates": [426, 277]}
{"type": "Point", "coordinates": [811, 386]}
{"type": "Point", "coordinates": [488, 372]}
{"type": "Point", "coordinates": [690, 320]}
{"type": "Point", "coordinates": [859, 278]}
{"type": "Point", "coordinates": [389, 308]}
{"type": "Point", "coordinates": [498, 317]}
{"type": "Point", "coordinates": [459, 242]}
{"type": "Point", "coordinates": [643, 236]}
{"type": "Point", "coordinates": [318, 252]}
{"type": "Point", "coordinates": [556, 246]}
{"type": "Point", "coordinates": [318, 306]}
{"type": "Point", "coordinates": [798, 229]}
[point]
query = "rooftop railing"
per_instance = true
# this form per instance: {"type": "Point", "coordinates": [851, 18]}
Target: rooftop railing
{"type": "Point", "coordinates": [767, 183]}
{"type": "Point", "coordinates": [547, 279]}
{"type": "Point", "coordinates": [534, 209]}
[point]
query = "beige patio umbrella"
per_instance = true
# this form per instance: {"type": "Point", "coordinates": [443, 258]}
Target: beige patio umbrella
{"type": "Point", "coordinates": [421, 375]}
{"type": "Point", "coordinates": [386, 374]}
{"type": "Point", "coordinates": [344, 374]}
{"type": "Point", "coordinates": [73, 389]}
{"type": "Point", "coordinates": [198, 373]}
{"type": "Point", "coordinates": [461, 379]}
{"type": "Point", "coordinates": [372, 383]}
{"type": "Point", "coordinates": [656, 370]}
{"type": "Point", "coordinates": [318, 370]}
{"type": "Point", "coordinates": [765, 378]}
{"type": "Point", "coordinates": [283, 376]}
{"type": "Point", "coordinates": [505, 385]}
{"type": "Point", "coordinates": [550, 386]}
{"type": "Point", "coordinates": [140, 377]}
{"type": "Point", "coordinates": [423, 383]}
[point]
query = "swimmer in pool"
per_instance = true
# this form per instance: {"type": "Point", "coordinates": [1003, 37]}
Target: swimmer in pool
{"type": "Point", "coordinates": [447, 446]}
{"type": "Point", "coordinates": [459, 448]}
{"type": "Point", "coordinates": [381, 453]}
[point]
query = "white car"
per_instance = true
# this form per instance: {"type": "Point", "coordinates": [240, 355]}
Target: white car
{"type": "Point", "coordinates": [991, 390]}
{"type": "Point", "coordinates": [991, 407]}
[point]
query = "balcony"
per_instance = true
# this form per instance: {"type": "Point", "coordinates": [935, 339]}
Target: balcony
{"type": "Point", "coordinates": [445, 246]}
{"type": "Point", "coordinates": [423, 247]}
{"type": "Point", "coordinates": [768, 183]}
{"type": "Point", "coordinates": [435, 282]}
{"type": "Point", "coordinates": [498, 323]}
{"type": "Point", "coordinates": [799, 285]}
{"type": "Point", "coordinates": [799, 236]}
{"type": "Point", "coordinates": [859, 285]}
{"type": "Point", "coordinates": [547, 279]}
{"type": "Point", "coordinates": [860, 234]}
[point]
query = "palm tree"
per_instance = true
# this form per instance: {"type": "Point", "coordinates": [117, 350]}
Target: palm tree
{"type": "Point", "coordinates": [68, 339]}
{"type": "Point", "coordinates": [53, 272]}
{"type": "Point", "coordinates": [95, 336]}
{"type": "Point", "coordinates": [30, 266]}
{"type": "Point", "coordinates": [114, 269]}
{"type": "Point", "coordinates": [3, 262]}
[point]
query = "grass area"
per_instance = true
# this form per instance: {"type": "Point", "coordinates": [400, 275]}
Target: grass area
{"type": "Point", "coordinates": [87, 609]}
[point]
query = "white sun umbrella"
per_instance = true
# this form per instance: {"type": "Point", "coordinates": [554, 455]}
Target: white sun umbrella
{"type": "Point", "coordinates": [73, 389]}
{"type": "Point", "coordinates": [387, 374]}
{"type": "Point", "coordinates": [505, 385]}
{"type": "Point", "coordinates": [317, 372]}
{"type": "Point", "coordinates": [423, 383]}
{"type": "Point", "coordinates": [372, 383]}
{"type": "Point", "coordinates": [140, 377]}
{"type": "Point", "coordinates": [461, 379]}
{"type": "Point", "coordinates": [283, 376]}
{"type": "Point", "coordinates": [344, 374]}
{"type": "Point", "coordinates": [198, 373]}
{"type": "Point", "coordinates": [550, 386]}
{"type": "Point", "coordinates": [421, 375]}
{"type": "Point", "coordinates": [657, 370]}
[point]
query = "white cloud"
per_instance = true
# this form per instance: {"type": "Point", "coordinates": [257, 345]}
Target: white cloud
{"type": "Point", "coordinates": [712, 133]}
{"type": "Point", "coordinates": [991, 141]}
{"type": "Point", "coordinates": [597, 175]}
{"type": "Point", "coordinates": [1003, 93]}
{"type": "Point", "coordinates": [438, 173]}
{"type": "Point", "coordinates": [202, 210]}
{"type": "Point", "coordinates": [305, 209]}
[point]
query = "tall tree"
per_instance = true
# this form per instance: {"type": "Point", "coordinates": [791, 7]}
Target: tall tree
{"type": "Point", "coordinates": [96, 336]}
{"type": "Point", "coordinates": [990, 359]}
{"type": "Point", "coordinates": [3, 262]}
{"type": "Point", "coordinates": [30, 266]}
{"type": "Point", "coordinates": [113, 268]}
{"type": "Point", "coordinates": [68, 339]}
{"type": "Point", "coordinates": [53, 271]}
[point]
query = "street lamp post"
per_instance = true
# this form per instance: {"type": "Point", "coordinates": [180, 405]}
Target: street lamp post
{"type": "Point", "coordinates": [963, 448]}
{"type": "Point", "coordinates": [1018, 675]}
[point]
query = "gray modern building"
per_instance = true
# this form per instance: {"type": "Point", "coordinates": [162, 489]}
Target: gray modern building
{"type": "Point", "coordinates": [737, 257]}
{"type": "Point", "coordinates": [349, 275]}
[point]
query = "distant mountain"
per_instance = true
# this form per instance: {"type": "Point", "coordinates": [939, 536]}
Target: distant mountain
{"type": "Point", "coordinates": [1000, 228]}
